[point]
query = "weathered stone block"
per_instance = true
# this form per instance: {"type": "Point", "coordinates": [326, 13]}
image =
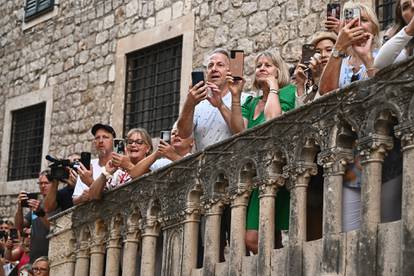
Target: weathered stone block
{"type": "Point", "coordinates": [177, 9]}
{"type": "Point", "coordinates": [108, 21]}
{"type": "Point", "coordinates": [257, 23]}
{"type": "Point", "coordinates": [221, 36]}
{"type": "Point", "coordinates": [221, 5]}
{"type": "Point", "coordinates": [248, 8]}
{"type": "Point", "coordinates": [163, 16]}
{"type": "Point", "coordinates": [101, 37]}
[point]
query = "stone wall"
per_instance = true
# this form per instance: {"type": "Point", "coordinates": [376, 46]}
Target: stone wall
{"type": "Point", "coordinates": [74, 51]}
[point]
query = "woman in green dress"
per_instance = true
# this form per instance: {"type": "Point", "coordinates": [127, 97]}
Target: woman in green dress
{"type": "Point", "coordinates": [275, 96]}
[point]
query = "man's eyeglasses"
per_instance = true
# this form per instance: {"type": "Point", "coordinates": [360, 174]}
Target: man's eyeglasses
{"type": "Point", "coordinates": [138, 142]}
{"type": "Point", "coordinates": [37, 270]}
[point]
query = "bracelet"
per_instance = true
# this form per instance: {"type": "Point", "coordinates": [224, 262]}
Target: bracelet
{"type": "Point", "coordinates": [274, 91]}
{"type": "Point", "coordinates": [106, 174]}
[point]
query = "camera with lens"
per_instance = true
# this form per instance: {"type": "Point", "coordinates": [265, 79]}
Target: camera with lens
{"type": "Point", "coordinates": [59, 168]}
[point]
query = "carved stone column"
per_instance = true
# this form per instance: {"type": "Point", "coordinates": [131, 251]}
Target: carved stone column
{"type": "Point", "coordinates": [212, 237]}
{"type": "Point", "coordinates": [334, 164]}
{"type": "Point", "coordinates": [151, 231]}
{"type": "Point", "coordinates": [97, 250]}
{"type": "Point", "coordinates": [131, 242]}
{"type": "Point", "coordinates": [113, 255]}
{"type": "Point", "coordinates": [82, 259]}
{"type": "Point", "coordinates": [407, 214]}
{"type": "Point", "coordinates": [267, 223]}
{"type": "Point", "coordinates": [239, 203]}
{"type": "Point", "coordinates": [191, 227]}
{"type": "Point", "coordinates": [300, 175]}
{"type": "Point", "coordinates": [372, 151]}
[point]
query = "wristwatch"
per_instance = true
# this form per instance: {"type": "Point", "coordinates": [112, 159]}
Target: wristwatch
{"type": "Point", "coordinates": [338, 54]}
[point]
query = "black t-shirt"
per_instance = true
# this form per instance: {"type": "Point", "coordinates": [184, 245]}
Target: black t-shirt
{"type": "Point", "coordinates": [39, 244]}
{"type": "Point", "coordinates": [64, 198]}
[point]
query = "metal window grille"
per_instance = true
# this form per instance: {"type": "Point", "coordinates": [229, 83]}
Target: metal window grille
{"type": "Point", "coordinates": [35, 8]}
{"type": "Point", "coordinates": [26, 142]}
{"type": "Point", "coordinates": [385, 11]}
{"type": "Point", "coordinates": [152, 93]}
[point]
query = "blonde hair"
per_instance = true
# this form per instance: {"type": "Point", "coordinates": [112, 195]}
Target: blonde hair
{"type": "Point", "coordinates": [145, 136]}
{"type": "Point", "coordinates": [372, 16]}
{"type": "Point", "coordinates": [283, 78]}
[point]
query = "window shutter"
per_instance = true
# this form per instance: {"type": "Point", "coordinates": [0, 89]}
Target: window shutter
{"type": "Point", "coordinates": [35, 8]}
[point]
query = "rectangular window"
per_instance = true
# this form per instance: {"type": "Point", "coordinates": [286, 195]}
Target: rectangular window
{"type": "Point", "coordinates": [385, 10]}
{"type": "Point", "coordinates": [26, 142]}
{"type": "Point", "coordinates": [152, 93]}
{"type": "Point", "coordinates": [35, 8]}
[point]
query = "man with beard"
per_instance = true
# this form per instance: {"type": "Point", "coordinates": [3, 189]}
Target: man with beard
{"type": "Point", "coordinates": [103, 141]}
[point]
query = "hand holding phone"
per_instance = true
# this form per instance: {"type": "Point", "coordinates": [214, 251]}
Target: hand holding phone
{"type": "Point", "coordinates": [24, 202]}
{"type": "Point", "coordinates": [13, 234]}
{"type": "Point", "coordinates": [351, 13]}
{"type": "Point", "coordinates": [165, 135]}
{"type": "Point", "coordinates": [308, 50]}
{"type": "Point", "coordinates": [333, 10]}
{"type": "Point", "coordinates": [86, 160]}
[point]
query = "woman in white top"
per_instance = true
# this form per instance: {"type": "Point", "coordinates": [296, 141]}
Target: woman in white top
{"type": "Point", "coordinates": [352, 57]}
{"type": "Point", "coordinates": [401, 45]}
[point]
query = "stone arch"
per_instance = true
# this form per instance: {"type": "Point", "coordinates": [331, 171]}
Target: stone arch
{"type": "Point", "coordinates": [154, 208]}
{"type": "Point", "coordinates": [246, 169]}
{"type": "Point", "coordinates": [221, 182]}
{"type": "Point", "coordinates": [382, 118]}
{"type": "Point", "coordinates": [308, 146]}
{"type": "Point", "coordinates": [342, 135]}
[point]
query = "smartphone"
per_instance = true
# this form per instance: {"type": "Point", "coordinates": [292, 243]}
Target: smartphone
{"type": "Point", "coordinates": [351, 13]}
{"type": "Point", "coordinates": [25, 203]}
{"type": "Point", "coordinates": [165, 135]}
{"type": "Point", "coordinates": [237, 64]}
{"type": "Point", "coordinates": [334, 10]}
{"type": "Point", "coordinates": [119, 146]}
{"type": "Point", "coordinates": [13, 234]}
{"type": "Point", "coordinates": [308, 50]}
{"type": "Point", "coordinates": [3, 235]}
{"type": "Point", "coordinates": [196, 77]}
{"type": "Point", "coordinates": [86, 160]}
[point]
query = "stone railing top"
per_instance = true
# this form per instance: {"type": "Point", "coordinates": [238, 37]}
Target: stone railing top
{"type": "Point", "coordinates": [274, 149]}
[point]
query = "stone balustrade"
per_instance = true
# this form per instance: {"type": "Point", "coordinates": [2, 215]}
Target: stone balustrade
{"type": "Point", "coordinates": [151, 226]}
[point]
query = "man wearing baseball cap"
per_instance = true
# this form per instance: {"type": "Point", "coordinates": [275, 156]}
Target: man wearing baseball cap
{"type": "Point", "coordinates": [103, 140]}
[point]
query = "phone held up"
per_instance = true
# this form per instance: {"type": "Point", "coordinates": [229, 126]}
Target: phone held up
{"type": "Point", "coordinates": [308, 50]}
{"type": "Point", "coordinates": [86, 159]}
{"type": "Point", "coordinates": [237, 64]}
{"type": "Point", "coordinates": [165, 135]}
{"type": "Point", "coordinates": [119, 146]}
{"type": "Point", "coordinates": [13, 234]}
{"type": "Point", "coordinates": [196, 77]}
{"type": "Point", "coordinates": [24, 203]}
{"type": "Point", "coordinates": [351, 13]}
{"type": "Point", "coordinates": [333, 10]}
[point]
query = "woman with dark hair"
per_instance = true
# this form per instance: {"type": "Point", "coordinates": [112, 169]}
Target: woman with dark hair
{"type": "Point", "coordinates": [116, 171]}
{"type": "Point", "coordinates": [401, 45]}
{"type": "Point", "coordinates": [276, 95]}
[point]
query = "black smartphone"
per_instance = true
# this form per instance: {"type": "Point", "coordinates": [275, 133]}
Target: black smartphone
{"type": "Point", "coordinates": [165, 135]}
{"type": "Point", "coordinates": [334, 10]}
{"type": "Point", "coordinates": [308, 50]}
{"type": "Point", "coordinates": [3, 235]}
{"type": "Point", "coordinates": [237, 64]}
{"type": "Point", "coordinates": [86, 160]}
{"type": "Point", "coordinates": [25, 203]}
{"type": "Point", "coordinates": [196, 77]}
{"type": "Point", "coordinates": [13, 234]}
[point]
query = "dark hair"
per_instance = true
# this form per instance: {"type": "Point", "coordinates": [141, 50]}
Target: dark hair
{"type": "Point", "coordinates": [399, 20]}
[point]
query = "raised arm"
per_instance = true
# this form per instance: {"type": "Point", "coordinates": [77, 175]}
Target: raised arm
{"type": "Point", "coordinates": [272, 107]}
{"type": "Point", "coordinates": [143, 166]}
{"type": "Point", "coordinates": [237, 122]}
{"type": "Point", "coordinates": [196, 94]}
{"type": "Point", "coordinates": [50, 203]}
{"type": "Point", "coordinates": [330, 76]}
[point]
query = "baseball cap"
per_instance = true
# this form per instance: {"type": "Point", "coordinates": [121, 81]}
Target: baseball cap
{"type": "Point", "coordinates": [103, 126]}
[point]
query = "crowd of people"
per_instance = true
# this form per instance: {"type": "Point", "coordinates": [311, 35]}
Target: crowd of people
{"type": "Point", "coordinates": [215, 109]}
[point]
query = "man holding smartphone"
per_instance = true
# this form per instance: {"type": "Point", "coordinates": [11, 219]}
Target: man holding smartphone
{"type": "Point", "coordinates": [206, 111]}
{"type": "Point", "coordinates": [36, 219]}
{"type": "Point", "coordinates": [103, 142]}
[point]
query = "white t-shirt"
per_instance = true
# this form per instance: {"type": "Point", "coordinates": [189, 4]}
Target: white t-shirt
{"type": "Point", "coordinates": [209, 125]}
{"type": "Point", "coordinates": [162, 162]}
{"type": "Point", "coordinates": [80, 186]}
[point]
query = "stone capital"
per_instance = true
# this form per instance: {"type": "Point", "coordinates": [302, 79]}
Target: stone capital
{"type": "Point", "coordinates": [300, 173]}
{"type": "Point", "coordinates": [374, 147]}
{"type": "Point", "coordinates": [214, 207]}
{"type": "Point", "coordinates": [406, 134]}
{"type": "Point", "coordinates": [151, 227]}
{"type": "Point", "coordinates": [239, 199]}
{"type": "Point", "coordinates": [334, 160]}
